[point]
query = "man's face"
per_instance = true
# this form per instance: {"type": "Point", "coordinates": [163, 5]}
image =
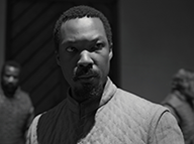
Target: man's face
{"type": "Point", "coordinates": [10, 79]}
{"type": "Point", "coordinates": [84, 54]}
{"type": "Point", "coordinates": [184, 82]}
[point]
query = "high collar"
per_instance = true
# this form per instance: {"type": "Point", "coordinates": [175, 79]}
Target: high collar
{"type": "Point", "coordinates": [93, 103]}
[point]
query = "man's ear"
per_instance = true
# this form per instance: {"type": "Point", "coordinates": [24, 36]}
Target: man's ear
{"type": "Point", "coordinates": [57, 57]}
{"type": "Point", "coordinates": [110, 51]}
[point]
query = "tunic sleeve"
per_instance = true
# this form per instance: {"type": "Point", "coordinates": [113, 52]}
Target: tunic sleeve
{"type": "Point", "coordinates": [165, 130]}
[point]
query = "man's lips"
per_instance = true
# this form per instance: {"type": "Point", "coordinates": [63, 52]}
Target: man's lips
{"type": "Point", "coordinates": [86, 76]}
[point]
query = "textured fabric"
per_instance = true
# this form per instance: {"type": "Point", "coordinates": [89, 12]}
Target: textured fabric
{"type": "Point", "coordinates": [118, 117]}
{"type": "Point", "coordinates": [14, 115]}
{"type": "Point", "coordinates": [183, 110]}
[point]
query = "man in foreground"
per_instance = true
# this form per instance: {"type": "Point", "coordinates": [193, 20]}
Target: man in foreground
{"type": "Point", "coordinates": [95, 110]}
{"type": "Point", "coordinates": [16, 109]}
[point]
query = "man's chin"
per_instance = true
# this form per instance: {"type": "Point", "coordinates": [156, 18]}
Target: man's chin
{"type": "Point", "coordinates": [87, 90]}
{"type": "Point", "coordinates": [10, 93]}
{"type": "Point", "coordinates": [11, 89]}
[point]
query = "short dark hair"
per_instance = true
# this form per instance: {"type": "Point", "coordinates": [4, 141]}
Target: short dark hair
{"type": "Point", "coordinates": [79, 12]}
{"type": "Point", "coordinates": [10, 63]}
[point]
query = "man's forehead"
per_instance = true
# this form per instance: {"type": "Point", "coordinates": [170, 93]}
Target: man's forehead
{"type": "Point", "coordinates": [85, 27]}
{"type": "Point", "coordinates": [183, 74]}
{"type": "Point", "coordinates": [10, 69]}
{"type": "Point", "coordinates": [84, 22]}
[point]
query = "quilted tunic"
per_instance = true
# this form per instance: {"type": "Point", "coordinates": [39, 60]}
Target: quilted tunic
{"type": "Point", "coordinates": [14, 115]}
{"type": "Point", "coordinates": [118, 117]}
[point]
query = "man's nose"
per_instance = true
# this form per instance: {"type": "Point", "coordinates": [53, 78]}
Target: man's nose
{"type": "Point", "coordinates": [11, 80]}
{"type": "Point", "coordinates": [85, 58]}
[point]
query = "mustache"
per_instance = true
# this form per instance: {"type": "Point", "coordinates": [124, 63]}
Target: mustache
{"type": "Point", "coordinates": [83, 71]}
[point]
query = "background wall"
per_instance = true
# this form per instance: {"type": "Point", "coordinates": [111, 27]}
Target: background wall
{"type": "Point", "coordinates": [156, 39]}
{"type": "Point", "coordinates": [2, 30]}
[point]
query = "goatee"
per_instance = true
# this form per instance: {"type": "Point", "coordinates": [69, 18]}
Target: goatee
{"type": "Point", "coordinates": [88, 91]}
{"type": "Point", "coordinates": [9, 89]}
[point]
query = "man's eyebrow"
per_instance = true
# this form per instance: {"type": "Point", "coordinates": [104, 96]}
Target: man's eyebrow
{"type": "Point", "coordinates": [77, 41]}
{"type": "Point", "coordinates": [68, 41]}
{"type": "Point", "coordinates": [73, 41]}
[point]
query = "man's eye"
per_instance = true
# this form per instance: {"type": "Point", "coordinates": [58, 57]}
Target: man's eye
{"type": "Point", "coordinates": [98, 46]}
{"type": "Point", "coordinates": [7, 75]}
{"type": "Point", "coordinates": [71, 49]}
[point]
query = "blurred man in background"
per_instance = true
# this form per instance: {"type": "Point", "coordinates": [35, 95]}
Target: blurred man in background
{"type": "Point", "coordinates": [16, 109]}
{"type": "Point", "coordinates": [181, 102]}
